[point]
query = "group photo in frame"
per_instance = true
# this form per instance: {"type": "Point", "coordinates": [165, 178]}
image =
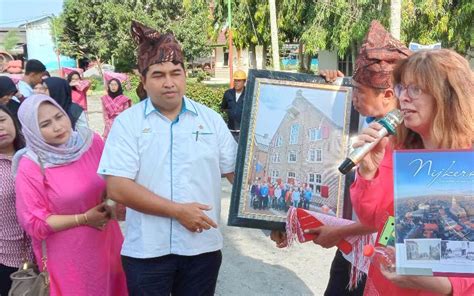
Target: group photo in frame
{"type": "Point", "coordinates": [295, 132]}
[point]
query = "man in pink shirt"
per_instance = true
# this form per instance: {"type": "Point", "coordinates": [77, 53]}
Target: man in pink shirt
{"type": "Point", "coordinates": [373, 97]}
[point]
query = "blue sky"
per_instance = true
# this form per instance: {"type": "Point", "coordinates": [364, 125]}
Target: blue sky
{"type": "Point", "coordinates": [275, 99]}
{"type": "Point", "coordinates": [15, 12]}
{"type": "Point", "coordinates": [407, 184]}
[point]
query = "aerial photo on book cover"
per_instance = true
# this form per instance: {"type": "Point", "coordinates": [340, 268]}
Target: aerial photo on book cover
{"type": "Point", "coordinates": [434, 212]}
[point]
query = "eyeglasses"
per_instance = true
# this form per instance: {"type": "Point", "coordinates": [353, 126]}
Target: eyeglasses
{"type": "Point", "coordinates": [413, 91]}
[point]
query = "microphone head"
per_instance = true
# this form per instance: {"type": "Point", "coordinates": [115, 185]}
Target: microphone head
{"type": "Point", "coordinates": [346, 166]}
{"type": "Point", "coordinates": [391, 120]}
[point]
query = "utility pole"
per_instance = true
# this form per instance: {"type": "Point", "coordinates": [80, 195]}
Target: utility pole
{"type": "Point", "coordinates": [274, 33]}
{"type": "Point", "coordinates": [395, 18]}
{"type": "Point", "coordinates": [231, 46]}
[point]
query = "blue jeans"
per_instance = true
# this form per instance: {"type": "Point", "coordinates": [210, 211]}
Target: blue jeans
{"type": "Point", "coordinates": [173, 274]}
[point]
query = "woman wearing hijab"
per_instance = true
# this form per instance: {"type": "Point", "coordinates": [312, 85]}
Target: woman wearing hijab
{"type": "Point", "coordinates": [59, 90]}
{"type": "Point", "coordinates": [7, 93]}
{"type": "Point", "coordinates": [79, 89]}
{"type": "Point", "coordinates": [69, 217]}
{"type": "Point", "coordinates": [113, 103]}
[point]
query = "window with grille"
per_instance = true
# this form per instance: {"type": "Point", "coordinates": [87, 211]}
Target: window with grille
{"type": "Point", "coordinates": [314, 182]}
{"type": "Point", "coordinates": [292, 156]}
{"type": "Point", "coordinates": [295, 129]}
{"type": "Point", "coordinates": [279, 141]}
{"type": "Point", "coordinates": [314, 134]}
{"type": "Point", "coordinates": [315, 155]}
{"type": "Point", "coordinates": [276, 157]}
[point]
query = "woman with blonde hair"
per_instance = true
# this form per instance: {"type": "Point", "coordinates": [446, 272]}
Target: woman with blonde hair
{"type": "Point", "coordinates": [434, 89]}
{"type": "Point", "coordinates": [448, 78]}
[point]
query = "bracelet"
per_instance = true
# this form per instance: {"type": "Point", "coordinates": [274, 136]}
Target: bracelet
{"type": "Point", "coordinates": [85, 218]}
{"type": "Point", "coordinates": [77, 220]}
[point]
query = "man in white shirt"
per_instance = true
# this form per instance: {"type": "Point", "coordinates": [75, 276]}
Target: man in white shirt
{"type": "Point", "coordinates": [34, 71]}
{"type": "Point", "coordinates": [163, 159]}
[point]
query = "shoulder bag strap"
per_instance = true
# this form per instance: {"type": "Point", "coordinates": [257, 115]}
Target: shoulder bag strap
{"type": "Point", "coordinates": [44, 256]}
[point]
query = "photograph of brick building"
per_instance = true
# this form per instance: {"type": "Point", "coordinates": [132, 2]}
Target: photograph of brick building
{"type": "Point", "coordinates": [304, 149]}
{"type": "Point", "coordinates": [260, 158]}
{"type": "Point", "coordinates": [299, 137]}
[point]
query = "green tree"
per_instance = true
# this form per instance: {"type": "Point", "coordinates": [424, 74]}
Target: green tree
{"type": "Point", "coordinates": [341, 25]}
{"type": "Point", "coordinates": [123, 50]}
{"type": "Point", "coordinates": [250, 24]}
{"type": "Point", "coordinates": [189, 29]}
{"type": "Point", "coordinates": [83, 31]}
{"type": "Point", "coordinates": [11, 40]}
{"type": "Point", "coordinates": [445, 21]}
{"type": "Point", "coordinates": [296, 18]}
{"type": "Point", "coordinates": [100, 30]}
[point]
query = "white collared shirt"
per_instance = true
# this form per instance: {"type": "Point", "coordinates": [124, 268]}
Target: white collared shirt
{"type": "Point", "coordinates": [24, 88]}
{"type": "Point", "coordinates": [181, 160]}
{"type": "Point", "coordinates": [237, 96]}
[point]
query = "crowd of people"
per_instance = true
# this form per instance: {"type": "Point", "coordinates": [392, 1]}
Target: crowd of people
{"type": "Point", "coordinates": [164, 158]}
{"type": "Point", "coordinates": [279, 196]}
{"type": "Point", "coordinates": [51, 193]}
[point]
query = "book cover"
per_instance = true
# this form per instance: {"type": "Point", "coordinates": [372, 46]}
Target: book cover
{"type": "Point", "coordinates": [434, 212]}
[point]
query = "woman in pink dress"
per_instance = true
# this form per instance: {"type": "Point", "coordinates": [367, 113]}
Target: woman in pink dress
{"type": "Point", "coordinates": [113, 103]}
{"type": "Point", "coordinates": [79, 89]}
{"type": "Point", "coordinates": [59, 201]}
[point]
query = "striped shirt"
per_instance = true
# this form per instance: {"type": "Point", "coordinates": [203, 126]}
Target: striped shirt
{"type": "Point", "coordinates": [12, 248]}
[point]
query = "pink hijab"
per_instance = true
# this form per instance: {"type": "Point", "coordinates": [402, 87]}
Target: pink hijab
{"type": "Point", "coordinates": [44, 154]}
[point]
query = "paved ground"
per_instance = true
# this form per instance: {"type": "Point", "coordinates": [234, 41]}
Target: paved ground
{"type": "Point", "coordinates": [252, 265]}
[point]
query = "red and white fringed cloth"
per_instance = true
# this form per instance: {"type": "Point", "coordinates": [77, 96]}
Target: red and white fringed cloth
{"type": "Point", "coordinates": [360, 263]}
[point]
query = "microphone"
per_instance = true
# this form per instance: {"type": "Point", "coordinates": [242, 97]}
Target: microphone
{"type": "Point", "coordinates": [390, 122]}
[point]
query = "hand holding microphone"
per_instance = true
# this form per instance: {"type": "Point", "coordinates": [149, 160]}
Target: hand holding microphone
{"type": "Point", "coordinates": [369, 164]}
{"type": "Point", "coordinates": [372, 140]}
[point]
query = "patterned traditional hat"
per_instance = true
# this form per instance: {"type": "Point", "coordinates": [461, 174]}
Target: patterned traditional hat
{"type": "Point", "coordinates": [154, 48]}
{"type": "Point", "coordinates": [377, 57]}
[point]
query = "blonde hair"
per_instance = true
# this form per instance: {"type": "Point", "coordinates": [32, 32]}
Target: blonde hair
{"type": "Point", "coordinates": [447, 77]}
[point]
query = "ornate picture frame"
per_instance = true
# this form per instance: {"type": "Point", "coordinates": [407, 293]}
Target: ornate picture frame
{"type": "Point", "coordinates": [294, 134]}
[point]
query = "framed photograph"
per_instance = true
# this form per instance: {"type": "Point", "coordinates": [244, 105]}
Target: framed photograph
{"type": "Point", "coordinates": [294, 134]}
